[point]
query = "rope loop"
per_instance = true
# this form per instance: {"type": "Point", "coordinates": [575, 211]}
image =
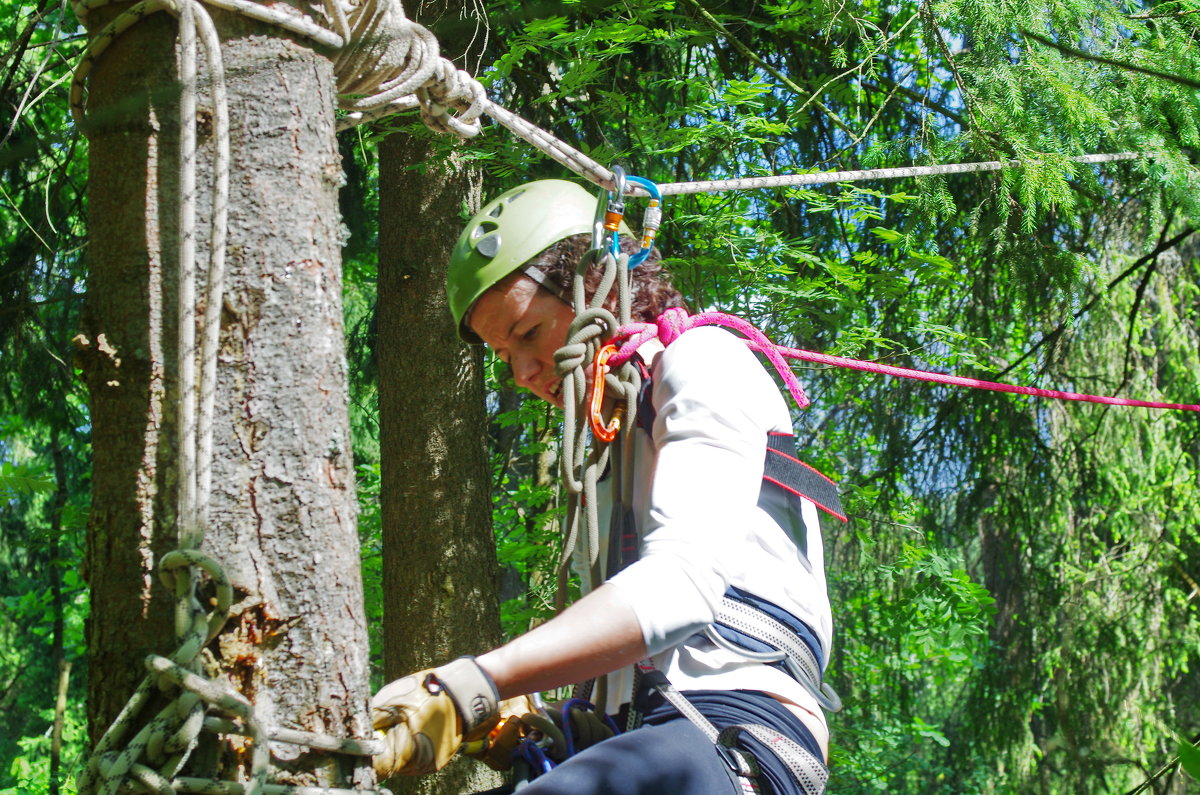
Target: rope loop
{"type": "Point", "coordinates": [452, 89]}
{"type": "Point", "coordinates": [172, 568]}
{"type": "Point", "coordinates": [671, 324]}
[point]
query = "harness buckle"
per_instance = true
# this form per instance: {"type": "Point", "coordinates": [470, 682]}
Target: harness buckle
{"type": "Point", "coordinates": [739, 762]}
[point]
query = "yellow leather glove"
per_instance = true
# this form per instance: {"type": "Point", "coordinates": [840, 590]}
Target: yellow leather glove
{"type": "Point", "coordinates": [422, 718]}
{"type": "Point", "coordinates": [493, 743]}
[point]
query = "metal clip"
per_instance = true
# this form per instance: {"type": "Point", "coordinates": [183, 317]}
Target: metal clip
{"type": "Point", "coordinates": [650, 221]}
{"type": "Point", "coordinates": [603, 432]}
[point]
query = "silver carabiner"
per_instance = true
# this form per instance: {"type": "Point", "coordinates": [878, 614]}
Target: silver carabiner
{"type": "Point", "coordinates": [604, 222]}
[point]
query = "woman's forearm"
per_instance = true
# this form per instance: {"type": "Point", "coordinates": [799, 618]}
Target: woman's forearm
{"type": "Point", "coordinates": [596, 635]}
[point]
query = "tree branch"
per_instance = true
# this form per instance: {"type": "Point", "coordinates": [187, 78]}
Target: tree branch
{"type": "Point", "coordinates": [1174, 78]}
{"type": "Point", "coordinates": [1171, 15]}
{"type": "Point", "coordinates": [716, 25]}
{"type": "Point", "coordinates": [1150, 257]}
{"type": "Point", "coordinates": [1169, 766]}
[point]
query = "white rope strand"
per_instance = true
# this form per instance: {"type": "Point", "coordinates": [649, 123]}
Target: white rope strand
{"type": "Point", "coordinates": [794, 180]}
{"type": "Point", "coordinates": [218, 235]}
{"type": "Point", "coordinates": [185, 350]}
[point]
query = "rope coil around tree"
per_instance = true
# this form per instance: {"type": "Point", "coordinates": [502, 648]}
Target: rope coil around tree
{"type": "Point", "coordinates": [153, 756]}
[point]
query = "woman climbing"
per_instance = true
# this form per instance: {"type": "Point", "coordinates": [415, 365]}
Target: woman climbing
{"type": "Point", "coordinates": [709, 632]}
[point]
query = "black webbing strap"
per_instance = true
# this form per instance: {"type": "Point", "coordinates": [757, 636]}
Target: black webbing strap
{"type": "Point", "coordinates": [783, 469]}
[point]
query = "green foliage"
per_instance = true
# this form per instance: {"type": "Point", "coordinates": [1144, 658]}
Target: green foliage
{"type": "Point", "coordinates": [44, 450]}
{"type": "Point", "coordinates": [17, 480]}
{"type": "Point", "coordinates": [1015, 593]}
{"type": "Point", "coordinates": [1010, 561]}
{"type": "Point", "coordinates": [30, 770]}
{"type": "Point", "coordinates": [1189, 758]}
{"type": "Point", "coordinates": [526, 512]}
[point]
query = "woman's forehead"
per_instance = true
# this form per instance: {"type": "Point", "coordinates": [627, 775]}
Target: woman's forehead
{"type": "Point", "coordinates": [494, 313]}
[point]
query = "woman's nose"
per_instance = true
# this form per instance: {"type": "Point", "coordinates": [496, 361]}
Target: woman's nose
{"type": "Point", "coordinates": [525, 371]}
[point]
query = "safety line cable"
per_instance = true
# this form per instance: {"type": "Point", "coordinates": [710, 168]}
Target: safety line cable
{"type": "Point", "coordinates": [795, 180]}
{"type": "Point", "coordinates": [388, 64]}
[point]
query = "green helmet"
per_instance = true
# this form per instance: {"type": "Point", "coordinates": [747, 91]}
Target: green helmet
{"type": "Point", "coordinates": [509, 231]}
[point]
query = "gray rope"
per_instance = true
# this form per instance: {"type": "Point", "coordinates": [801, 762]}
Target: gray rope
{"type": "Point", "coordinates": [584, 458]}
{"type": "Point", "coordinates": [792, 180]}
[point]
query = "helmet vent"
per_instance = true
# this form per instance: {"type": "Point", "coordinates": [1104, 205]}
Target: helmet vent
{"type": "Point", "coordinates": [485, 227]}
{"type": "Point", "coordinates": [489, 245]}
{"type": "Point", "coordinates": [495, 211]}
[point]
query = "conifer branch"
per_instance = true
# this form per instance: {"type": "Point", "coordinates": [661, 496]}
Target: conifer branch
{"type": "Point", "coordinates": [1171, 15]}
{"type": "Point", "coordinates": [935, 32]}
{"type": "Point", "coordinates": [716, 25]}
{"type": "Point", "coordinates": [1141, 261]}
{"type": "Point", "coordinates": [1087, 56]}
{"type": "Point", "coordinates": [917, 96]}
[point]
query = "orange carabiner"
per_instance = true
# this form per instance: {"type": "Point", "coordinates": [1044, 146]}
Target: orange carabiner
{"type": "Point", "coordinates": [605, 433]}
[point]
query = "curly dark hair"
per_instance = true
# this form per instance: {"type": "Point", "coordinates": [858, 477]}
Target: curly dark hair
{"type": "Point", "coordinates": [651, 290]}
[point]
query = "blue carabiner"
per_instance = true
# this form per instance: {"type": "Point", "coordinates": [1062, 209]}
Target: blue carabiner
{"type": "Point", "coordinates": [650, 221]}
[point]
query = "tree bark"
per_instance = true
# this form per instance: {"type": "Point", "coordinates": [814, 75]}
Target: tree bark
{"type": "Point", "coordinates": [282, 517]}
{"type": "Point", "coordinates": [440, 576]}
{"type": "Point", "coordinates": [441, 580]}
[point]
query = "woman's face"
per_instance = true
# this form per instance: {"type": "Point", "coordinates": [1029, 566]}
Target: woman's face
{"type": "Point", "coordinates": [525, 325]}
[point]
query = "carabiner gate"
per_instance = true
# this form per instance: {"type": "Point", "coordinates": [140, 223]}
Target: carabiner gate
{"type": "Point", "coordinates": [650, 221]}
{"type": "Point", "coordinates": [610, 211]}
{"type": "Point", "coordinates": [603, 432]}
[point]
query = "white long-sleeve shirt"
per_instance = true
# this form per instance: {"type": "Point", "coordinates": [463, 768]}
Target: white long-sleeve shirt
{"type": "Point", "coordinates": [696, 505]}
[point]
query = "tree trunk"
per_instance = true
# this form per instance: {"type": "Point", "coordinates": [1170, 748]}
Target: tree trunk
{"type": "Point", "coordinates": [58, 609]}
{"type": "Point", "coordinates": [440, 573]}
{"type": "Point", "coordinates": [282, 518]}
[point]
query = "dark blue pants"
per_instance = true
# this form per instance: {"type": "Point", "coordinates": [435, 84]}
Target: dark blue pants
{"type": "Point", "coordinates": [670, 756]}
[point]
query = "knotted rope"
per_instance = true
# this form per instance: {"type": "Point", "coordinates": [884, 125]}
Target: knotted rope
{"type": "Point", "coordinates": [674, 322]}
{"type": "Point", "coordinates": [583, 459]}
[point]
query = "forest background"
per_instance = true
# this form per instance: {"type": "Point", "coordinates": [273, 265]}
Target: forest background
{"type": "Point", "coordinates": [1016, 592]}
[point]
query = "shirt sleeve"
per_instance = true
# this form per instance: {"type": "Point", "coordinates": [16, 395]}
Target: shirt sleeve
{"type": "Point", "coordinates": [715, 404]}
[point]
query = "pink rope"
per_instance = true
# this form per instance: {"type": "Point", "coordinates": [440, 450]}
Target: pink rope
{"type": "Point", "coordinates": [674, 322]}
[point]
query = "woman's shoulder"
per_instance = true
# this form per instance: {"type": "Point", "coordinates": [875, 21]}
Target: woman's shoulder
{"type": "Point", "coordinates": [712, 365]}
{"type": "Point", "coordinates": [709, 347]}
